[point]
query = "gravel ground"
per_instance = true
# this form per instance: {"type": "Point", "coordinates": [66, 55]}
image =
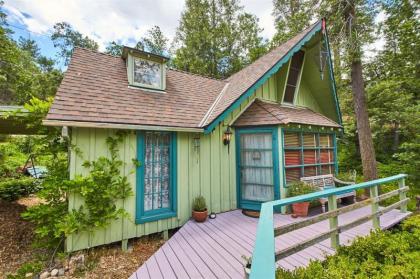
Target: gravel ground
{"type": "Point", "coordinates": [16, 236]}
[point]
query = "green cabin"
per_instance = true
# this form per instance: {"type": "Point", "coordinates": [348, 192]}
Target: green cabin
{"type": "Point", "coordinates": [238, 142]}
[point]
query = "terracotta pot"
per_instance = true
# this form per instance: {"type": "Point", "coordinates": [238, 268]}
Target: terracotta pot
{"type": "Point", "coordinates": [300, 209]}
{"type": "Point", "coordinates": [199, 216]}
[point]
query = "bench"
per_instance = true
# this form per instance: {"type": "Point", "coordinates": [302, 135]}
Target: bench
{"type": "Point", "coordinates": [328, 181]}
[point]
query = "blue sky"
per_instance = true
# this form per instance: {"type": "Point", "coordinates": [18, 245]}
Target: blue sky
{"type": "Point", "coordinates": [124, 21]}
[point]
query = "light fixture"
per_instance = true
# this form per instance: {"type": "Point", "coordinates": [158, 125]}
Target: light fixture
{"type": "Point", "coordinates": [227, 136]}
{"type": "Point", "coordinates": [196, 142]}
{"type": "Point", "coordinates": [321, 58]}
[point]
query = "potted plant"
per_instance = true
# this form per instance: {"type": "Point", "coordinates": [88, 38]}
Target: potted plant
{"type": "Point", "coordinates": [298, 188]}
{"type": "Point", "coordinates": [199, 209]}
{"type": "Point", "coordinates": [247, 266]}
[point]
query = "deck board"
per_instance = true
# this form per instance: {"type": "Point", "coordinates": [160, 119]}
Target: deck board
{"type": "Point", "coordinates": [214, 249]}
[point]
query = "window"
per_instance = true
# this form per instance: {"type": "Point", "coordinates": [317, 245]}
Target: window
{"type": "Point", "coordinates": [147, 73]}
{"type": "Point", "coordinates": [156, 176]}
{"type": "Point", "coordinates": [308, 154]}
{"type": "Point", "coordinates": [293, 77]}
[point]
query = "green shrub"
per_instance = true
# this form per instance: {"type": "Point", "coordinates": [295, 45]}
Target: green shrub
{"type": "Point", "coordinates": [387, 254]}
{"type": "Point", "coordinates": [199, 204]}
{"type": "Point", "coordinates": [298, 188]}
{"type": "Point", "coordinates": [13, 188]}
{"type": "Point", "coordinates": [30, 267]}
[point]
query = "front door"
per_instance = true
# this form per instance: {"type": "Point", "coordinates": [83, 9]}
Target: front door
{"type": "Point", "coordinates": [257, 166]}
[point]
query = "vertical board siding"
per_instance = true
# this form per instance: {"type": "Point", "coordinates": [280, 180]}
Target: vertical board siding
{"type": "Point", "coordinates": [209, 170]}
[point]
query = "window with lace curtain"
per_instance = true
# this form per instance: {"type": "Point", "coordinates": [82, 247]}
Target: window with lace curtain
{"type": "Point", "coordinates": [156, 176]}
{"type": "Point", "coordinates": [308, 154]}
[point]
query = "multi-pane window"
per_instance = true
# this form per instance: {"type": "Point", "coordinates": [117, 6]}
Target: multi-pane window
{"type": "Point", "coordinates": [155, 175]}
{"type": "Point", "coordinates": [147, 73]}
{"type": "Point", "coordinates": [293, 77]}
{"type": "Point", "coordinates": [308, 154]}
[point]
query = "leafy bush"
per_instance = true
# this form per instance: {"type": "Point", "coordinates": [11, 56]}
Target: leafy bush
{"type": "Point", "coordinates": [100, 190]}
{"type": "Point", "coordinates": [13, 188]}
{"type": "Point", "coordinates": [199, 204]}
{"type": "Point", "coordinates": [298, 188]}
{"type": "Point", "coordinates": [380, 255]}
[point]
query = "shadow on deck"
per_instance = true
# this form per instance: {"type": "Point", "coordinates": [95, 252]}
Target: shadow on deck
{"type": "Point", "coordinates": [214, 249]}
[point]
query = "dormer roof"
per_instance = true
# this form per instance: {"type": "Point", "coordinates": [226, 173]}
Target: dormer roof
{"type": "Point", "coordinates": [95, 89]}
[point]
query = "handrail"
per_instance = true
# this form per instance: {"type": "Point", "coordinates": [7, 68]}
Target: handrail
{"type": "Point", "coordinates": [264, 254]}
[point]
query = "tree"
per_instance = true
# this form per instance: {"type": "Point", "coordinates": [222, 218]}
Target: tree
{"type": "Point", "coordinates": [66, 39]}
{"type": "Point", "coordinates": [291, 17]}
{"type": "Point", "coordinates": [30, 46]}
{"type": "Point", "coordinates": [114, 48]}
{"type": "Point", "coordinates": [154, 41]}
{"type": "Point", "coordinates": [353, 22]}
{"type": "Point", "coordinates": [216, 38]}
{"type": "Point", "coordinates": [23, 72]}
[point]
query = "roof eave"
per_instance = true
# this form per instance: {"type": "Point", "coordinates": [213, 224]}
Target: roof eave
{"type": "Point", "coordinates": [263, 78]}
{"type": "Point", "coordinates": [88, 124]}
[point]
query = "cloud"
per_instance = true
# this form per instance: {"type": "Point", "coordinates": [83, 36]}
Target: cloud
{"type": "Point", "coordinates": [124, 21]}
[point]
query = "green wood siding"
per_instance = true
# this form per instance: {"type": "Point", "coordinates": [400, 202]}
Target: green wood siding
{"type": "Point", "coordinates": [209, 170]}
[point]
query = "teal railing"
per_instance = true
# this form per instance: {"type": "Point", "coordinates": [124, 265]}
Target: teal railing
{"type": "Point", "coordinates": [264, 256]}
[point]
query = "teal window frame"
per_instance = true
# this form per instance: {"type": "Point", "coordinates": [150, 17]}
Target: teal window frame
{"type": "Point", "coordinates": [299, 78]}
{"type": "Point", "coordinates": [248, 204]}
{"type": "Point", "coordinates": [143, 216]}
{"type": "Point", "coordinates": [301, 148]}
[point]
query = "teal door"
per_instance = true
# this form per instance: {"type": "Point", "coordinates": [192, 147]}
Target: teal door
{"type": "Point", "coordinates": [257, 164]}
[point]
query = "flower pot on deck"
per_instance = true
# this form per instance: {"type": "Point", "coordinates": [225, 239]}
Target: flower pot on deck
{"type": "Point", "coordinates": [247, 270]}
{"type": "Point", "coordinates": [300, 209]}
{"type": "Point", "coordinates": [199, 216]}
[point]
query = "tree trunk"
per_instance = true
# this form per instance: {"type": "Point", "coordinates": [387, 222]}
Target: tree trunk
{"type": "Point", "coordinates": [367, 151]}
{"type": "Point", "coordinates": [396, 140]}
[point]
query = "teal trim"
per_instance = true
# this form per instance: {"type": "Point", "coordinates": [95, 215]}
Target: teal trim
{"type": "Point", "coordinates": [301, 148]}
{"type": "Point", "coordinates": [331, 72]}
{"type": "Point", "coordinates": [256, 205]}
{"type": "Point", "coordinates": [335, 155]}
{"type": "Point", "coordinates": [263, 256]}
{"type": "Point", "coordinates": [263, 79]}
{"type": "Point", "coordinates": [161, 213]}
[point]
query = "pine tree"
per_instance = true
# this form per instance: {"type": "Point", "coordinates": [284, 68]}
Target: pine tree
{"type": "Point", "coordinates": [352, 24]}
{"type": "Point", "coordinates": [216, 38]}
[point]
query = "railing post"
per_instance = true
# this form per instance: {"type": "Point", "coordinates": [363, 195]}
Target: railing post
{"type": "Point", "coordinates": [332, 205]}
{"type": "Point", "coordinates": [403, 195]}
{"type": "Point", "coordinates": [375, 206]}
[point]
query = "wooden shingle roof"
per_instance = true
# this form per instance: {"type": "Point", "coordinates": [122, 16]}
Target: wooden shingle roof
{"type": "Point", "coordinates": [265, 113]}
{"type": "Point", "coordinates": [95, 89]}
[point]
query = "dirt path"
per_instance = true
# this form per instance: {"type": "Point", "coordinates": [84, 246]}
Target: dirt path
{"type": "Point", "coordinates": [15, 236]}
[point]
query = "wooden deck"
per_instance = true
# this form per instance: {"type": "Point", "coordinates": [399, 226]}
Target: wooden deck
{"type": "Point", "coordinates": [214, 249]}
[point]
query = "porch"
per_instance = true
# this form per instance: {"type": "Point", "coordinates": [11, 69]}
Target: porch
{"type": "Point", "coordinates": [214, 249]}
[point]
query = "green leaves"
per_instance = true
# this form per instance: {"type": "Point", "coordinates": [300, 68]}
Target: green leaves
{"type": "Point", "coordinates": [101, 190]}
{"type": "Point", "coordinates": [66, 39]}
{"type": "Point", "coordinates": [379, 255]}
{"type": "Point", "coordinates": [216, 38]}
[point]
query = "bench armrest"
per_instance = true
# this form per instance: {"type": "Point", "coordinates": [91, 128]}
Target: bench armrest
{"type": "Point", "coordinates": [336, 180]}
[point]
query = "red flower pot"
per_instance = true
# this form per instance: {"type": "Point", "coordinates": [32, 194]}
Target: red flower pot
{"type": "Point", "coordinates": [300, 209]}
{"type": "Point", "coordinates": [199, 216]}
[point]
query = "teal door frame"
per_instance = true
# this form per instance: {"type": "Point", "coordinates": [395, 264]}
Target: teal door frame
{"type": "Point", "coordinates": [248, 204]}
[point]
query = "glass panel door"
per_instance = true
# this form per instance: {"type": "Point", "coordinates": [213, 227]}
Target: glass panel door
{"type": "Point", "coordinates": [256, 166]}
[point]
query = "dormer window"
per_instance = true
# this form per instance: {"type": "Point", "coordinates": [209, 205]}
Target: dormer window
{"type": "Point", "coordinates": [145, 70]}
{"type": "Point", "coordinates": [147, 73]}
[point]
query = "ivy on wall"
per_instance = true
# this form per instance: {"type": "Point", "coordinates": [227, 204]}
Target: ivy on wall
{"type": "Point", "coordinates": [100, 190]}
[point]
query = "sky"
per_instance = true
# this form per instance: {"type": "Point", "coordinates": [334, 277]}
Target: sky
{"type": "Point", "coordinates": [123, 21]}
